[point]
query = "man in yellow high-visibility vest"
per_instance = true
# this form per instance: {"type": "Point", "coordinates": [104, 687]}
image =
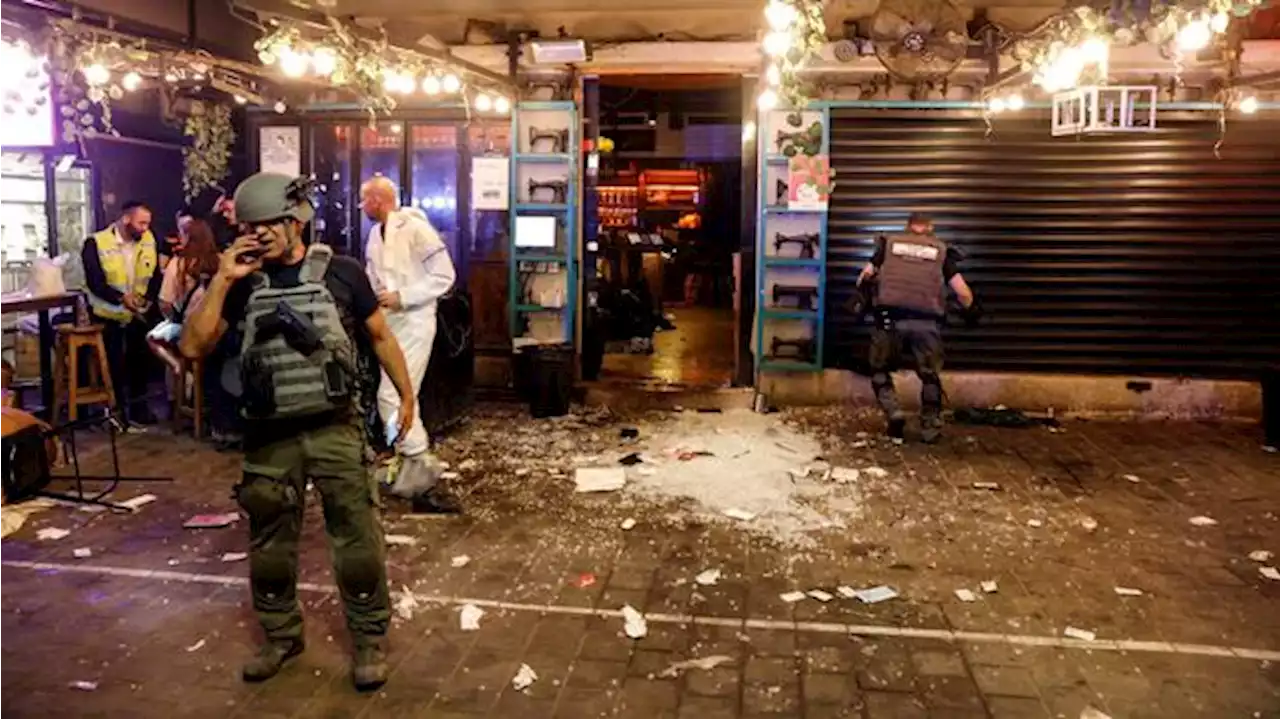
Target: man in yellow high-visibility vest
{"type": "Point", "coordinates": [121, 269]}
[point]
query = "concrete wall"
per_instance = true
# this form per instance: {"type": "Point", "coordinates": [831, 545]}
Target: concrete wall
{"type": "Point", "coordinates": [1065, 394]}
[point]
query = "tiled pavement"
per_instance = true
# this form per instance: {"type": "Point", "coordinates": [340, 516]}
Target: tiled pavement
{"type": "Point", "coordinates": [160, 624]}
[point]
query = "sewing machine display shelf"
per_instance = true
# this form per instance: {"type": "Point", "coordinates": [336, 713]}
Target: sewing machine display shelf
{"type": "Point", "coordinates": [541, 207]}
{"type": "Point", "coordinates": [773, 261]}
{"type": "Point", "coordinates": [789, 313]}
{"type": "Point", "coordinates": [544, 158]}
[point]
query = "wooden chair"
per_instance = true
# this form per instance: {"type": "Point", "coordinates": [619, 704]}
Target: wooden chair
{"type": "Point", "coordinates": [182, 409]}
{"type": "Point", "coordinates": [66, 371]}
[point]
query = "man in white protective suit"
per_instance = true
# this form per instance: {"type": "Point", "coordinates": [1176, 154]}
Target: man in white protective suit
{"type": "Point", "coordinates": [410, 269]}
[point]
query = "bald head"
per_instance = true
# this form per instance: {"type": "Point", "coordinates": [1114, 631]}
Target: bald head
{"type": "Point", "coordinates": [378, 198]}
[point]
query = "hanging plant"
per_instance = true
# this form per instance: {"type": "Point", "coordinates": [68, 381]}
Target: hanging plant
{"type": "Point", "coordinates": [798, 32]}
{"type": "Point", "coordinates": [205, 162]}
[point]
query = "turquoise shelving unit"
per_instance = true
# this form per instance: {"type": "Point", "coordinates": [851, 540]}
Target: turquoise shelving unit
{"type": "Point", "coordinates": [556, 164]}
{"type": "Point", "coordinates": [771, 265]}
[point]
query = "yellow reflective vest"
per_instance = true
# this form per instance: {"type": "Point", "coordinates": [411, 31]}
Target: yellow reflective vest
{"type": "Point", "coordinates": [111, 256]}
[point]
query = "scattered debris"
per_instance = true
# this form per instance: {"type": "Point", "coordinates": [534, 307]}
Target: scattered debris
{"type": "Point", "coordinates": [599, 479]}
{"type": "Point", "coordinates": [1270, 573]}
{"type": "Point", "coordinates": [470, 617]}
{"type": "Point", "coordinates": [966, 595]}
{"type": "Point", "coordinates": [450, 476]}
{"type": "Point", "coordinates": [406, 603]}
{"type": "Point", "coordinates": [846, 591]}
{"type": "Point", "coordinates": [401, 540]}
{"type": "Point", "coordinates": [212, 521]}
{"type": "Point", "coordinates": [820, 595]}
{"type": "Point", "coordinates": [82, 553]}
{"type": "Point", "coordinates": [196, 647]}
{"type": "Point", "coordinates": [875, 594]}
{"type": "Point", "coordinates": [704, 663]}
{"type": "Point", "coordinates": [1037, 523]}
{"type": "Point", "coordinates": [690, 455]}
{"type": "Point", "coordinates": [460, 561]}
{"type": "Point", "coordinates": [1091, 713]}
{"type": "Point", "coordinates": [1083, 635]}
{"type": "Point", "coordinates": [876, 472]}
{"type": "Point", "coordinates": [990, 586]}
{"type": "Point", "coordinates": [235, 556]}
{"type": "Point", "coordinates": [139, 501]}
{"type": "Point", "coordinates": [52, 533]}
{"type": "Point", "coordinates": [1269, 449]}
{"type": "Point", "coordinates": [524, 678]}
{"type": "Point", "coordinates": [1089, 523]}
{"type": "Point", "coordinates": [739, 514]}
{"type": "Point", "coordinates": [708, 578]}
{"type": "Point", "coordinates": [1128, 592]}
{"type": "Point", "coordinates": [992, 486]}
{"type": "Point", "coordinates": [85, 686]}
{"type": "Point", "coordinates": [584, 580]}
{"type": "Point", "coordinates": [792, 597]}
{"type": "Point", "coordinates": [631, 460]}
{"type": "Point", "coordinates": [1260, 555]}
{"type": "Point", "coordinates": [845, 475]}
{"type": "Point", "coordinates": [1203, 521]}
{"type": "Point", "coordinates": [1132, 478]}
{"type": "Point", "coordinates": [628, 523]}
{"type": "Point", "coordinates": [635, 625]}
{"type": "Point", "coordinates": [629, 433]}
{"type": "Point", "coordinates": [646, 471]}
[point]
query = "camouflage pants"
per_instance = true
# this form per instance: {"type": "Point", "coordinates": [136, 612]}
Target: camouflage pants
{"type": "Point", "coordinates": [923, 339]}
{"type": "Point", "coordinates": [273, 493]}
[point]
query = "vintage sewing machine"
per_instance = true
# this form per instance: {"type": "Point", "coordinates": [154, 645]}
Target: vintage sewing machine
{"type": "Point", "coordinates": [808, 242]}
{"type": "Point", "coordinates": [802, 348]}
{"type": "Point", "coordinates": [559, 189]}
{"type": "Point", "coordinates": [804, 295]}
{"type": "Point", "coordinates": [559, 139]}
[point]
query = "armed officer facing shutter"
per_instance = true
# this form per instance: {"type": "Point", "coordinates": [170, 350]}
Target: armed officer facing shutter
{"type": "Point", "coordinates": [305, 316]}
{"type": "Point", "coordinates": [909, 271]}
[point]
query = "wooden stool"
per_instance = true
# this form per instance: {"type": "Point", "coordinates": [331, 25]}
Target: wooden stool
{"type": "Point", "coordinates": [66, 371]}
{"type": "Point", "coordinates": [181, 408]}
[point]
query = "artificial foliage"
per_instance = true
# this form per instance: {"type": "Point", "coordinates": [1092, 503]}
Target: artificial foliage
{"type": "Point", "coordinates": [205, 160]}
{"type": "Point", "coordinates": [808, 37]}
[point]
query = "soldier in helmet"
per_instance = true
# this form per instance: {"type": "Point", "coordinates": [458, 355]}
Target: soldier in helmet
{"type": "Point", "coordinates": [911, 272]}
{"type": "Point", "coordinates": [304, 316]}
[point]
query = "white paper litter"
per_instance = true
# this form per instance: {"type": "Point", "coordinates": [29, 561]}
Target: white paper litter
{"type": "Point", "coordinates": [1035, 523]}
{"type": "Point", "coordinates": [1260, 555]}
{"type": "Point", "coordinates": [628, 523]}
{"type": "Point", "coordinates": [235, 556]}
{"type": "Point", "coordinates": [846, 591]}
{"type": "Point", "coordinates": [524, 678]}
{"type": "Point", "coordinates": [1270, 573]}
{"type": "Point", "coordinates": [708, 578]}
{"type": "Point", "coordinates": [401, 540]}
{"type": "Point", "coordinates": [820, 595]}
{"type": "Point", "coordinates": [82, 553]}
{"type": "Point", "coordinates": [1132, 478]}
{"type": "Point", "coordinates": [461, 560]}
{"type": "Point", "coordinates": [792, 597]}
{"type": "Point", "coordinates": [1081, 634]}
{"type": "Point", "coordinates": [990, 586]}
{"type": "Point", "coordinates": [634, 624]}
{"type": "Point", "coordinates": [406, 603]}
{"type": "Point", "coordinates": [139, 501]}
{"type": "Point", "coordinates": [987, 485]}
{"type": "Point", "coordinates": [196, 647]}
{"type": "Point", "coordinates": [704, 663]}
{"type": "Point", "coordinates": [470, 617]}
{"type": "Point", "coordinates": [876, 472]}
{"type": "Point", "coordinates": [1089, 523]}
{"type": "Point", "coordinates": [966, 595]}
{"type": "Point", "coordinates": [84, 686]}
{"type": "Point", "coordinates": [739, 514]}
{"type": "Point", "coordinates": [1203, 521]}
{"type": "Point", "coordinates": [1128, 592]}
{"type": "Point", "coordinates": [845, 475]}
{"type": "Point", "coordinates": [599, 479]}
{"type": "Point", "coordinates": [876, 594]}
{"type": "Point", "coordinates": [52, 533]}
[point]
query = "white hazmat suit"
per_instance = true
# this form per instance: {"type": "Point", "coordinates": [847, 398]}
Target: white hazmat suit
{"type": "Point", "coordinates": [410, 258]}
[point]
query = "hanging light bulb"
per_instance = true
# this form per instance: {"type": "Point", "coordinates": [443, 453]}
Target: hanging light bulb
{"type": "Point", "coordinates": [131, 81]}
{"type": "Point", "coordinates": [267, 57]}
{"type": "Point", "coordinates": [324, 61]}
{"type": "Point", "coordinates": [407, 83]}
{"type": "Point", "coordinates": [96, 74]}
{"type": "Point", "coordinates": [780, 15]}
{"type": "Point", "coordinates": [483, 102]}
{"type": "Point", "coordinates": [170, 77]}
{"type": "Point", "coordinates": [1194, 36]}
{"type": "Point", "coordinates": [1095, 51]}
{"type": "Point", "coordinates": [773, 75]}
{"type": "Point", "coordinates": [241, 99]}
{"type": "Point", "coordinates": [1218, 23]}
{"type": "Point", "coordinates": [1015, 102]}
{"type": "Point", "coordinates": [777, 43]}
{"type": "Point", "coordinates": [451, 83]}
{"type": "Point", "coordinates": [996, 104]}
{"type": "Point", "coordinates": [767, 99]}
{"type": "Point", "coordinates": [431, 84]}
{"type": "Point", "coordinates": [293, 63]}
{"type": "Point", "coordinates": [502, 105]}
{"type": "Point", "coordinates": [280, 107]}
{"type": "Point", "coordinates": [1249, 105]}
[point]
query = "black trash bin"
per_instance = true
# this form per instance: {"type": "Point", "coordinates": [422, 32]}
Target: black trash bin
{"type": "Point", "coordinates": [544, 377]}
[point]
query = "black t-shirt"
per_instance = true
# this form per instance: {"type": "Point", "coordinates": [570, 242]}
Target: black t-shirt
{"type": "Point", "coordinates": [950, 263]}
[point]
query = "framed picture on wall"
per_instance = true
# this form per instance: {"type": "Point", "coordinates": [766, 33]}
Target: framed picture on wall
{"type": "Point", "coordinates": [280, 150]}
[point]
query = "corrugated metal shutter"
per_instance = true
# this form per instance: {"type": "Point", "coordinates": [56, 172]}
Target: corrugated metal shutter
{"type": "Point", "coordinates": [1136, 253]}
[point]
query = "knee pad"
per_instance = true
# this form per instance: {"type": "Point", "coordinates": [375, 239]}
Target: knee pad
{"type": "Point", "coordinates": [264, 499]}
{"type": "Point", "coordinates": [361, 573]}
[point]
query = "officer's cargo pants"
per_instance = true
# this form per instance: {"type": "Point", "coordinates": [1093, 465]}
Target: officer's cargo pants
{"type": "Point", "coordinates": [923, 339]}
{"type": "Point", "coordinates": [273, 493]}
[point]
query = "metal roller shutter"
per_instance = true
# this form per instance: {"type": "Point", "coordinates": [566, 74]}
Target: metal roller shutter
{"type": "Point", "coordinates": [1136, 253]}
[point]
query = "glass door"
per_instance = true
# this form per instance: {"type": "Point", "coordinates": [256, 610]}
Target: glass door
{"type": "Point", "coordinates": [331, 167]}
{"type": "Point", "coordinates": [433, 185]}
{"type": "Point", "coordinates": [24, 229]}
{"type": "Point", "coordinates": [381, 154]}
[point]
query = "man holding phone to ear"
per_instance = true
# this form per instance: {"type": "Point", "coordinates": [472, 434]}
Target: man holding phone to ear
{"type": "Point", "coordinates": [305, 316]}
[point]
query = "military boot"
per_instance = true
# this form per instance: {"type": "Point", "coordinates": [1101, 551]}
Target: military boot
{"type": "Point", "coordinates": [369, 671]}
{"type": "Point", "coordinates": [897, 428]}
{"type": "Point", "coordinates": [271, 657]}
{"type": "Point", "coordinates": [931, 428]}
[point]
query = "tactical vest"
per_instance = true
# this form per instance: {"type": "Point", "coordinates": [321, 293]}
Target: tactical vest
{"type": "Point", "coordinates": [910, 278]}
{"type": "Point", "coordinates": [282, 376]}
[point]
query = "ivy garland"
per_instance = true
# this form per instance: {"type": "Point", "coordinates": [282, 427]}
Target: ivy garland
{"type": "Point", "coordinates": [808, 36]}
{"type": "Point", "coordinates": [205, 162]}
